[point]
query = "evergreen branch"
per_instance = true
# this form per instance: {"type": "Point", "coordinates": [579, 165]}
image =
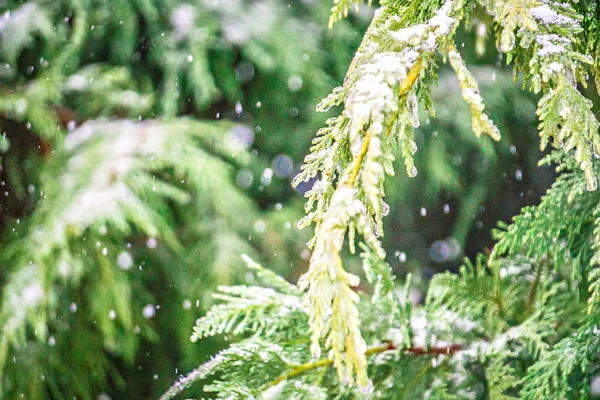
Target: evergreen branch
{"type": "Point", "coordinates": [194, 376]}
{"type": "Point", "coordinates": [551, 376]}
{"type": "Point", "coordinates": [378, 272]}
{"type": "Point", "coordinates": [344, 333]}
{"type": "Point", "coordinates": [521, 314]}
{"type": "Point", "coordinates": [106, 185]}
{"type": "Point", "coordinates": [368, 113]}
{"type": "Point", "coordinates": [509, 15]}
{"type": "Point", "coordinates": [555, 110]}
{"type": "Point", "coordinates": [66, 60]}
{"type": "Point", "coordinates": [481, 123]}
{"type": "Point", "coordinates": [504, 313]}
{"type": "Point", "coordinates": [254, 309]}
{"type": "Point", "coordinates": [270, 278]}
{"type": "Point", "coordinates": [548, 32]}
{"type": "Point", "coordinates": [537, 280]}
{"type": "Point", "coordinates": [341, 8]}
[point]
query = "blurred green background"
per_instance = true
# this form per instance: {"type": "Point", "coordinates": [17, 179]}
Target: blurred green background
{"type": "Point", "coordinates": [147, 144]}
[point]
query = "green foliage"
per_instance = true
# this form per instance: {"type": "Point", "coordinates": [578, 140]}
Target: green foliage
{"type": "Point", "coordinates": [380, 108]}
{"type": "Point", "coordinates": [481, 122]}
{"type": "Point", "coordinates": [258, 310]}
{"type": "Point", "coordinates": [106, 187]}
{"type": "Point", "coordinates": [445, 348]}
{"type": "Point", "coordinates": [124, 211]}
{"type": "Point", "coordinates": [121, 210]}
{"type": "Point", "coordinates": [521, 322]}
{"type": "Point", "coordinates": [562, 372]}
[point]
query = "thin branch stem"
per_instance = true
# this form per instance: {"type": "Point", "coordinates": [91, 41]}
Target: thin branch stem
{"type": "Point", "coordinates": [358, 160]}
{"type": "Point", "coordinates": [534, 286]}
{"type": "Point", "coordinates": [325, 362]}
{"type": "Point", "coordinates": [411, 77]}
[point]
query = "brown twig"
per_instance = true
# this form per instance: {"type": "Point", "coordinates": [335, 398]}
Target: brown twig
{"type": "Point", "coordinates": [325, 362]}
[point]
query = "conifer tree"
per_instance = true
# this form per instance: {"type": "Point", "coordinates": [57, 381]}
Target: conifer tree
{"type": "Point", "coordinates": [520, 322]}
{"type": "Point", "coordinates": [131, 179]}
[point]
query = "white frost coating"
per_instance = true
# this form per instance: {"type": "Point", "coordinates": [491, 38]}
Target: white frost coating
{"type": "Point", "coordinates": [23, 294]}
{"type": "Point", "coordinates": [455, 320]}
{"type": "Point", "coordinates": [548, 16]}
{"type": "Point", "coordinates": [28, 15]}
{"type": "Point", "coordinates": [412, 35]}
{"type": "Point", "coordinates": [199, 373]}
{"type": "Point", "coordinates": [130, 99]}
{"type": "Point", "coordinates": [372, 96]}
{"type": "Point", "coordinates": [105, 192]}
{"type": "Point", "coordinates": [273, 392]}
{"type": "Point", "coordinates": [441, 21]}
{"type": "Point", "coordinates": [97, 202]}
{"type": "Point", "coordinates": [418, 322]}
{"type": "Point", "coordinates": [428, 329]}
{"type": "Point", "coordinates": [424, 36]}
{"type": "Point", "coordinates": [555, 67]}
{"type": "Point", "coordinates": [395, 336]}
{"type": "Point", "coordinates": [514, 270]}
{"type": "Point", "coordinates": [551, 44]}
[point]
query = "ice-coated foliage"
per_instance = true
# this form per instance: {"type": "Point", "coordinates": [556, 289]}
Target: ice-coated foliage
{"type": "Point", "coordinates": [521, 322]}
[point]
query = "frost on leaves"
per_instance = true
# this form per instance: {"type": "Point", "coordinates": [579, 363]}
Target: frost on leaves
{"type": "Point", "coordinates": [388, 77]}
{"type": "Point", "coordinates": [355, 151]}
{"type": "Point", "coordinates": [470, 91]}
{"type": "Point", "coordinates": [548, 53]}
